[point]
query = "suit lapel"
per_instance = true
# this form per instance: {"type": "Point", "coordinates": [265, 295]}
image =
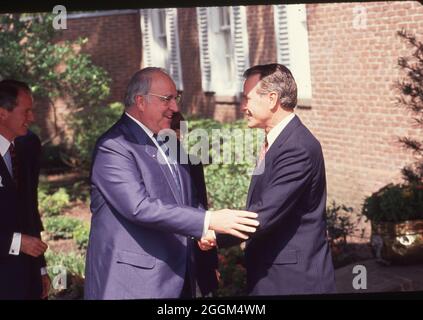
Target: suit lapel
{"type": "Point", "coordinates": [148, 146]}
{"type": "Point", "coordinates": [273, 151]}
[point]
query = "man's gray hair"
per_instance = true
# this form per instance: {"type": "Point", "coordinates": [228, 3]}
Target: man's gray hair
{"type": "Point", "coordinates": [140, 84]}
{"type": "Point", "coordinates": [277, 78]}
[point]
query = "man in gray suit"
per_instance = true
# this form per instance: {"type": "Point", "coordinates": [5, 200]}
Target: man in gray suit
{"type": "Point", "coordinates": [145, 211]}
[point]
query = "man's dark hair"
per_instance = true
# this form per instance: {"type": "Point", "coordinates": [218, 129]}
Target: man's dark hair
{"type": "Point", "coordinates": [275, 77]}
{"type": "Point", "coordinates": [9, 91]}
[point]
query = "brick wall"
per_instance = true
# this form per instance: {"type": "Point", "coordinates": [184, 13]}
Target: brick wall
{"type": "Point", "coordinates": [194, 99]}
{"type": "Point", "coordinates": [353, 112]}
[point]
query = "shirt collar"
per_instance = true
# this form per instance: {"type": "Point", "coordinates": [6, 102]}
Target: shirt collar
{"type": "Point", "coordinates": [276, 130]}
{"type": "Point", "coordinates": [4, 145]}
{"type": "Point", "coordinates": [147, 131]}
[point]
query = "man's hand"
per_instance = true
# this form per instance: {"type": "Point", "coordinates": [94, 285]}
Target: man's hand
{"type": "Point", "coordinates": [208, 242]}
{"type": "Point", "coordinates": [233, 222]}
{"type": "Point", "coordinates": [46, 282]}
{"type": "Point", "coordinates": [32, 246]}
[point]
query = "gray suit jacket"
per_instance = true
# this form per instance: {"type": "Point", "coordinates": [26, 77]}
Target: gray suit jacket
{"type": "Point", "coordinates": [140, 223]}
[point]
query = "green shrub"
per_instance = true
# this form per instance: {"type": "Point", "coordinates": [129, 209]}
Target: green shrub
{"type": "Point", "coordinates": [227, 183]}
{"type": "Point", "coordinates": [395, 203]}
{"type": "Point", "coordinates": [74, 262]}
{"type": "Point", "coordinates": [88, 126]}
{"type": "Point", "coordinates": [81, 235]}
{"type": "Point", "coordinates": [52, 205]}
{"type": "Point", "coordinates": [232, 272]}
{"type": "Point", "coordinates": [61, 227]}
{"type": "Point", "coordinates": [339, 223]}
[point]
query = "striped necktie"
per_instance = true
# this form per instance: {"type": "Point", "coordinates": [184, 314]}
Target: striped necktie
{"type": "Point", "coordinates": [263, 150]}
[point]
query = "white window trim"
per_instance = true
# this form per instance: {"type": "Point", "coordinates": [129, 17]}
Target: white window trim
{"type": "Point", "coordinates": [172, 58]}
{"type": "Point", "coordinates": [206, 26]}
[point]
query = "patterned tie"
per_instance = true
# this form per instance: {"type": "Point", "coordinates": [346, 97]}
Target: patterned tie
{"type": "Point", "coordinates": [263, 150]}
{"type": "Point", "coordinates": [15, 163]}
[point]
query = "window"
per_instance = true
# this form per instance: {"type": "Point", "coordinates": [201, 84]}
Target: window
{"type": "Point", "coordinates": [292, 46]}
{"type": "Point", "coordinates": [160, 41]}
{"type": "Point", "coordinates": [223, 48]}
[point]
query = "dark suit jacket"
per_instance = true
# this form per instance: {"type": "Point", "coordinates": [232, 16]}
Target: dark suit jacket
{"type": "Point", "coordinates": [206, 262]}
{"type": "Point", "coordinates": [289, 253]}
{"type": "Point", "coordinates": [20, 276]}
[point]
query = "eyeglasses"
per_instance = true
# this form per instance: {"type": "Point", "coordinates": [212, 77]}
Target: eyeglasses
{"type": "Point", "coordinates": [166, 99]}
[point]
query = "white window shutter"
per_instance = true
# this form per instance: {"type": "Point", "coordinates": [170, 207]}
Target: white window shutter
{"type": "Point", "coordinates": [240, 41]}
{"type": "Point", "coordinates": [147, 37]}
{"type": "Point", "coordinates": [203, 34]}
{"type": "Point", "coordinates": [292, 45]}
{"type": "Point", "coordinates": [174, 58]}
{"type": "Point", "coordinates": [281, 33]}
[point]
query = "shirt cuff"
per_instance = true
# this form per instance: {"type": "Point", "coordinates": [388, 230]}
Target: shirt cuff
{"type": "Point", "coordinates": [43, 271]}
{"type": "Point", "coordinates": [206, 223]}
{"type": "Point", "coordinates": [15, 247]}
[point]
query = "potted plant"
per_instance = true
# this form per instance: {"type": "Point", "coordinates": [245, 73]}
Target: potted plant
{"type": "Point", "coordinates": [396, 215]}
{"type": "Point", "coordinates": [396, 210]}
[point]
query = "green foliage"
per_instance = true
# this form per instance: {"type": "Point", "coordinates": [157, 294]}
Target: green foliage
{"type": "Point", "coordinates": [232, 273]}
{"type": "Point", "coordinates": [52, 205]}
{"type": "Point", "coordinates": [62, 227]}
{"type": "Point", "coordinates": [74, 262]}
{"type": "Point", "coordinates": [410, 97]}
{"type": "Point", "coordinates": [395, 203]}
{"type": "Point", "coordinates": [227, 183]}
{"type": "Point", "coordinates": [81, 234]}
{"type": "Point", "coordinates": [88, 125]}
{"type": "Point", "coordinates": [339, 223]}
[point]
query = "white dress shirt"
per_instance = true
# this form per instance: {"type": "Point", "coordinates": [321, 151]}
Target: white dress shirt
{"type": "Point", "coordinates": [150, 134]}
{"type": "Point", "coordinates": [276, 130]}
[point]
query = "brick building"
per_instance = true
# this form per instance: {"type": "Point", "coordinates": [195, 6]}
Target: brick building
{"type": "Point", "coordinates": [343, 56]}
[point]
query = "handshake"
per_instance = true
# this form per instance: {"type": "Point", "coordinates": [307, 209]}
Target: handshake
{"type": "Point", "coordinates": [234, 222]}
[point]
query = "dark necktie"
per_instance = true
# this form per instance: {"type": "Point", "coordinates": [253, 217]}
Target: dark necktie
{"type": "Point", "coordinates": [174, 168]}
{"type": "Point", "coordinates": [15, 163]}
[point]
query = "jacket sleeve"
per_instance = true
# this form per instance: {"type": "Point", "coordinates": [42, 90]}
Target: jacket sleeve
{"type": "Point", "coordinates": [290, 178]}
{"type": "Point", "coordinates": [291, 173]}
{"type": "Point", "coordinates": [121, 184]}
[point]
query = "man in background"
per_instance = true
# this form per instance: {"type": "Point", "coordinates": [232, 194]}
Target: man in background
{"type": "Point", "coordinates": [23, 272]}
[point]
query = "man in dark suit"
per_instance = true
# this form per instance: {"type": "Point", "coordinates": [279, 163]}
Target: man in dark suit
{"type": "Point", "coordinates": [289, 252]}
{"type": "Point", "coordinates": [144, 210]}
{"type": "Point", "coordinates": [22, 265]}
